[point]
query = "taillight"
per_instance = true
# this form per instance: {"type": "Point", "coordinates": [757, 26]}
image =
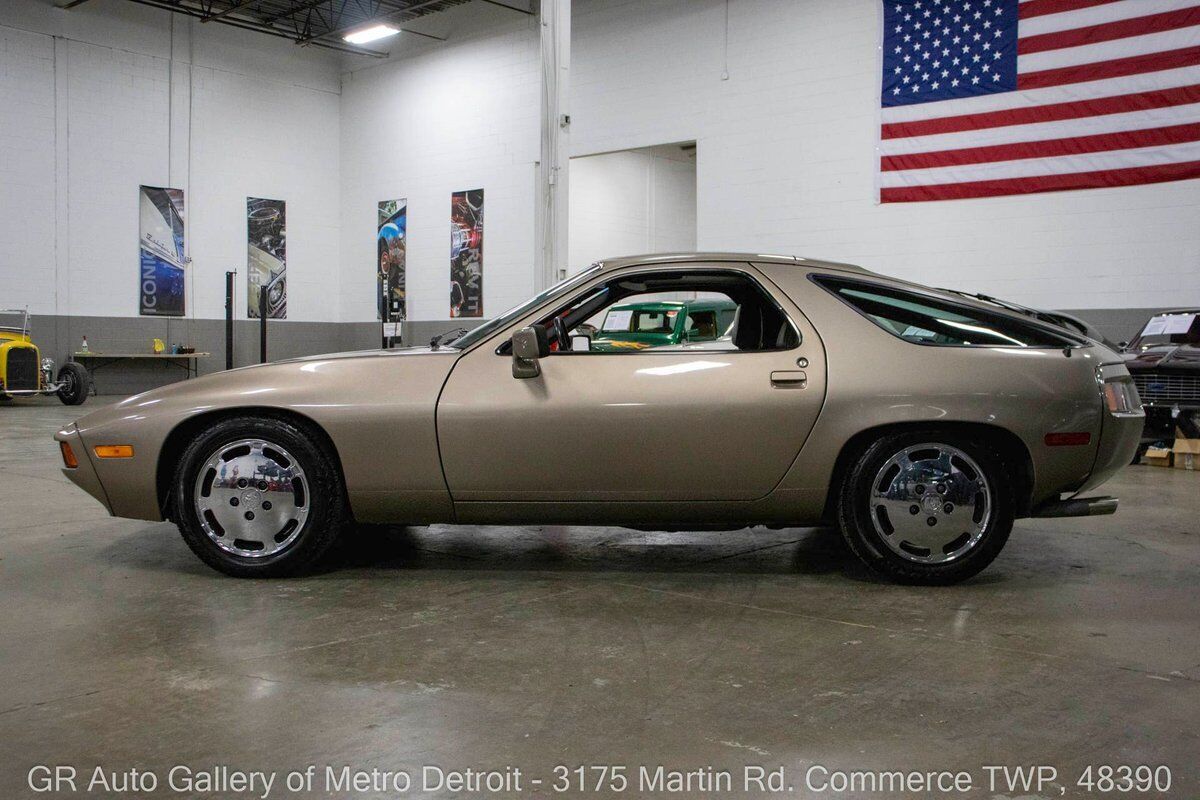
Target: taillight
{"type": "Point", "coordinates": [1121, 397]}
{"type": "Point", "coordinates": [1119, 394]}
{"type": "Point", "coordinates": [68, 455]}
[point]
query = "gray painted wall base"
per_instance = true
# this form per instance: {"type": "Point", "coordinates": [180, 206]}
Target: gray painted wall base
{"type": "Point", "coordinates": [1118, 324]}
{"type": "Point", "coordinates": [60, 336]}
{"type": "Point", "coordinates": [418, 332]}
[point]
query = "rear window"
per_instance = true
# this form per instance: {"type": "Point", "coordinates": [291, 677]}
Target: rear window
{"type": "Point", "coordinates": [654, 321]}
{"type": "Point", "coordinates": [922, 319]}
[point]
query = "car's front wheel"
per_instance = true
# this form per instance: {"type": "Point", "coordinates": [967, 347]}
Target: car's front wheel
{"type": "Point", "coordinates": [927, 507]}
{"type": "Point", "coordinates": [258, 497]}
{"type": "Point", "coordinates": [74, 383]}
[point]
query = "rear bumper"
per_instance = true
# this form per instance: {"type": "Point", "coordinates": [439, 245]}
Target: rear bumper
{"type": "Point", "coordinates": [1119, 439]}
{"type": "Point", "coordinates": [84, 476]}
{"type": "Point", "coordinates": [1078, 507]}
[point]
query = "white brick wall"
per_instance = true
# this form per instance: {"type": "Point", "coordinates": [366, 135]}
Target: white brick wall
{"type": "Point", "coordinates": [86, 120]}
{"type": "Point", "coordinates": [786, 147]}
{"type": "Point", "coordinates": [785, 153]}
{"type": "Point", "coordinates": [433, 120]}
{"type": "Point", "coordinates": [631, 201]}
{"type": "Point", "coordinates": [26, 171]}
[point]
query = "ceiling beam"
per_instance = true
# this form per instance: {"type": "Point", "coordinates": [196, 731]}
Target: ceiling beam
{"type": "Point", "coordinates": [296, 9]}
{"type": "Point", "coordinates": [510, 8]}
{"type": "Point", "coordinates": [227, 11]}
{"type": "Point", "coordinates": [391, 15]}
{"type": "Point", "coordinates": [246, 25]}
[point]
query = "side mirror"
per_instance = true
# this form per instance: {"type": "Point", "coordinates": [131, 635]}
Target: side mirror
{"type": "Point", "coordinates": [581, 343]}
{"type": "Point", "coordinates": [1122, 345]}
{"type": "Point", "coordinates": [528, 345]}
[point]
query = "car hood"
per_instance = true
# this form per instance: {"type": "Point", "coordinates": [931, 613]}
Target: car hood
{"type": "Point", "coordinates": [393, 353]}
{"type": "Point", "coordinates": [323, 381]}
{"type": "Point", "coordinates": [1175, 356]}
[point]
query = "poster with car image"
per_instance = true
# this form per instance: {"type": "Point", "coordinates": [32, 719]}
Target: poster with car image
{"type": "Point", "coordinates": [266, 256]}
{"type": "Point", "coordinates": [389, 277]}
{"type": "Point", "coordinates": [161, 258]}
{"type": "Point", "coordinates": [466, 253]}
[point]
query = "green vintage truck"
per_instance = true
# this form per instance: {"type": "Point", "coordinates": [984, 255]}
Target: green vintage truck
{"type": "Point", "coordinates": [664, 323]}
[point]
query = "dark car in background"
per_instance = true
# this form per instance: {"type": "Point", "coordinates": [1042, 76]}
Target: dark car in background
{"type": "Point", "coordinates": [1164, 360]}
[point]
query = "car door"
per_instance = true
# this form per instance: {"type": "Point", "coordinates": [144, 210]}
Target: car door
{"type": "Point", "coordinates": [634, 426]}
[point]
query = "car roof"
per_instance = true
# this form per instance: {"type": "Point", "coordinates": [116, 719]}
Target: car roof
{"type": "Point", "coordinates": [761, 258]}
{"type": "Point", "coordinates": [814, 264]}
{"type": "Point", "coordinates": [699, 305]}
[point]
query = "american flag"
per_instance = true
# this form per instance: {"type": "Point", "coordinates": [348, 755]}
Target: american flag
{"type": "Point", "coordinates": [996, 97]}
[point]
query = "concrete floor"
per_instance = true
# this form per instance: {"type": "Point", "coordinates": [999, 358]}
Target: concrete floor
{"type": "Point", "coordinates": [489, 648]}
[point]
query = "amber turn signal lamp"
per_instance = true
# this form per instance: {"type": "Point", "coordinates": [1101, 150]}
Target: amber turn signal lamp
{"type": "Point", "coordinates": [68, 455]}
{"type": "Point", "coordinates": [1067, 439]}
{"type": "Point", "coordinates": [114, 451]}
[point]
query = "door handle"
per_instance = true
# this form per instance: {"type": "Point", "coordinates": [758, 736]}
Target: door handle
{"type": "Point", "coordinates": [789, 378]}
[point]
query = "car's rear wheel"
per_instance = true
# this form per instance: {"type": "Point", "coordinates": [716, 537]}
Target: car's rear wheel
{"type": "Point", "coordinates": [258, 497]}
{"type": "Point", "coordinates": [927, 507]}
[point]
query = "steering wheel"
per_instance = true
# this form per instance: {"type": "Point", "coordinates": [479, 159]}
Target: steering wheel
{"type": "Point", "coordinates": [560, 333]}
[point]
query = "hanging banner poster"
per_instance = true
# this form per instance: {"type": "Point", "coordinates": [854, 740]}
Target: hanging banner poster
{"type": "Point", "coordinates": [466, 253]}
{"type": "Point", "coordinates": [161, 252]}
{"type": "Point", "coordinates": [266, 256]}
{"type": "Point", "coordinates": [389, 278]}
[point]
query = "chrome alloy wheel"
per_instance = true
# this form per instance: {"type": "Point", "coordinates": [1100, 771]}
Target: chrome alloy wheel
{"type": "Point", "coordinates": [252, 498]}
{"type": "Point", "coordinates": [930, 503]}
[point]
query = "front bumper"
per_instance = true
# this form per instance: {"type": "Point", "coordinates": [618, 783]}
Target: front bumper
{"type": "Point", "coordinates": [84, 476]}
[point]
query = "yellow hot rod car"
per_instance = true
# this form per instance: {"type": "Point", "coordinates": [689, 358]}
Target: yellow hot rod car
{"type": "Point", "coordinates": [23, 372]}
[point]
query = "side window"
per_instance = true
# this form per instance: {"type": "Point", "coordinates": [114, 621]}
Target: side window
{"type": "Point", "coordinates": [922, 319]}
{"type": "Point", "coordinates": [720, 310]}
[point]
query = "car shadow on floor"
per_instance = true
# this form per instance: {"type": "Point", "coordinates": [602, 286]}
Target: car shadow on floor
{"type": "Point", "coordinates": [1036, 559]}
{"type": "Point", "coordinates": [799, 551]}
{"type": "Point", "coordinates": [807, 551]}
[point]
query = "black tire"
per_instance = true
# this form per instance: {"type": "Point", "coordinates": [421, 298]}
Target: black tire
{"type": "Point", "coordinates": [325, 497]}
{"type": "Point", "coordinates": [4, 398]}
{"type": "Point", "coordinates": [76, 384]}
{"type": "Point", "coordinates": [859, 527]}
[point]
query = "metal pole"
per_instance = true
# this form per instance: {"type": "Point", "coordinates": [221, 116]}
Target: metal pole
{"type": "Point", "coordinates": [554, 17]}
{"type": "Point", "coordinates": [229, 319]}
{"type": "Point", "coordinates": [262, 324]}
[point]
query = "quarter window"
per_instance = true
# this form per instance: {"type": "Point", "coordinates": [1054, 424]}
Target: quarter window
{"type": "Point", "coordinates": [924, 319]}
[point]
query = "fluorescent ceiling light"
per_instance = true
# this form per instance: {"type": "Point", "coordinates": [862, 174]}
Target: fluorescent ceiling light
{"type": "Point", "coordinates": [371, 34]}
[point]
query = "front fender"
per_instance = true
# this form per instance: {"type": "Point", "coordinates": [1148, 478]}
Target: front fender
{"type": "Point", "coordinates": [377, 409]}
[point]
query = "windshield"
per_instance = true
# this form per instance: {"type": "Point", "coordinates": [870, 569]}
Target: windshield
{"type": "Point", "coordinates": [496, 323]}
{"type": "Point", "coordinates": [1178, 328]}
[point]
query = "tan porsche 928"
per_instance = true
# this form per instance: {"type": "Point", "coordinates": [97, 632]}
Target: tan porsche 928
{"type": "Point", "coordinates": [920, 423]}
